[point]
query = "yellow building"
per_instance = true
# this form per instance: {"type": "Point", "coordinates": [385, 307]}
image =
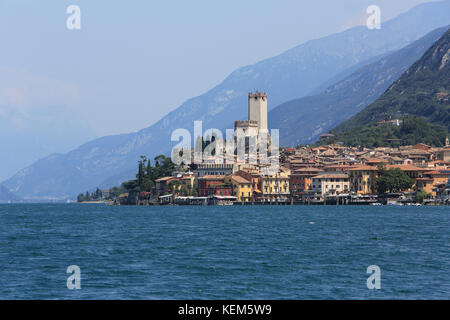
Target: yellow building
{"type": "Point", "coordinates": [189, 183]}
{"type": "Point", "coordinates": [362, 179]}
{"type": "Point", "coordinates": [431, 181]}
{"type": "Point", "coordinates": [242, 188]}
{"type": "Point", "coordinates": [275, 187]}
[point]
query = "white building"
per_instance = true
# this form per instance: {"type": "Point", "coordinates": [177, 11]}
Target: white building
{"type": "Point", "coordinates": [331, 184]}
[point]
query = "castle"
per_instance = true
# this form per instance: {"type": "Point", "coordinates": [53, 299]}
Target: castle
{"type": "Point", "coordinates": [256, 125]}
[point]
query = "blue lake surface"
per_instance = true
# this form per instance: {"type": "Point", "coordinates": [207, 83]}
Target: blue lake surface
{"type": "Point", "coordinates": [254, 252]}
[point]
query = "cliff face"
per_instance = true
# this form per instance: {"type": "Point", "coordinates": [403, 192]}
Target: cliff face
{"type": "Point", "coordinates": [108, 161]}
{"type": "Point", "coordinates": [303, 120]}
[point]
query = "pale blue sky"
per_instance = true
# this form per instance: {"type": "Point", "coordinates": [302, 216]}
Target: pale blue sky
{"type": "Point", "coordinates": [134, 61]}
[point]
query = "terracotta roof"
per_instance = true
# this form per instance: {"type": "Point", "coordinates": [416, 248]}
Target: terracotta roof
{"type": "Point", "coordinates": [165, 179]}
{"type": "Point", "coordinates": [329, 153]}
{"type": "Point", "coordinates": [240, 179]}
{"type": "Point", "coordinates": [404, 167]}
{"type": "Point", "coordinates": [435, 172]}
{"type": "Point", "coordinates": [376, 160]}
{"type": "Point", "coordinates": [308, 169]}
{"type": "Point", "coordinates": [424, 179]}
{"type": "Point", "coordinates": [211, 177]}
{"type": "Point", "coordinates": [363, 168]}
{"type": "Point", "coordinates": [337, 166]}
{"type": "Point", "coordinates": [332, 176]}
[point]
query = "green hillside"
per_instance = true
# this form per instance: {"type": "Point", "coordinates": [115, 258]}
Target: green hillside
{"type": "Point", "coordinates": [421, 97]}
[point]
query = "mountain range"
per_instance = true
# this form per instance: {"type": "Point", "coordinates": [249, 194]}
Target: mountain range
{"type": "Point", "coordinates": [421, 96]}
{"type": "Point", "coordinates": [293, 74]}
{"type": "Point", "coordinates": [6, 195]}
{"type": "Point", "coordinates": [302, 120]}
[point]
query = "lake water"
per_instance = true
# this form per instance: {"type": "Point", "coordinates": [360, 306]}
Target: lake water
{"type": "Point", "coordinates": [254, 252]}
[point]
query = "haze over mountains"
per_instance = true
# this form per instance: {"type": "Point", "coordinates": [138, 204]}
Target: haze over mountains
{"type": "Point", "coordinates": [6, 195]}
{"type": "Point", "coordinates": [422, 91]}
{"type": "Point", "coordinates": [293, 74]}
{"type": "Point", "coordinates": [302, 120]}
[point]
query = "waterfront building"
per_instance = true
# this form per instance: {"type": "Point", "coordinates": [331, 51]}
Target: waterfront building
{"type": "Point", "coordinates": [252, 175]}
{"type": "Point", "coordinates": [275, 187]}
{"type": "Point", "coordinates": [431, 180]}
{"type": "Point", "coordinates": [213, 185]}
{"type": "Point", "coordinates": [362, 179]}
{"type": "Point", "coordinates": [242, 188]}
{"type": "Point", "coordinates": [331, 184]}
{"type": "Point", "coordinates": [162, 185]}
{"type": "Point", "coordinates": [189, 182]}
{"type": "Point", "coordinates": [300, 180]}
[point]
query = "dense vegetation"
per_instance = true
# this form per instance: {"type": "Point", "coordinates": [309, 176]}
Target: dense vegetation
{"type": "Point", "coordinates": [411, 131]}
{"type": "Point", "coordinates": [147, 174]}
{"type": "Point", "coordinates": [392, 181]}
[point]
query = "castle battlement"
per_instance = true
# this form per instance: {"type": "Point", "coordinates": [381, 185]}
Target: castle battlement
{"type": "Point", "coordinates": [257, 95]}
{"type": "Point", "coordinates": [249, 123]}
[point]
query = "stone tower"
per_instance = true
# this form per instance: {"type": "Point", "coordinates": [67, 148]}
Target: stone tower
{"type": "Point", "coordinates": [257, 109]}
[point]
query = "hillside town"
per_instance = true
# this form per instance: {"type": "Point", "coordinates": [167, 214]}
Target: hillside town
{"type": "Point", "coordinates": [324, 174]}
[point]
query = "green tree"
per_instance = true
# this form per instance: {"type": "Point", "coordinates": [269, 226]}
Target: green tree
{"type": "Point", "coordinates": [393, 181]}
{"type": "Point", "coordinates": [147, 174]}
{"type": "Point", "coordinates": [131, 185]}
{"type": "Point", "coordinates": [421, 195]}
{"type": "Point", "coordinates": [81, 198]}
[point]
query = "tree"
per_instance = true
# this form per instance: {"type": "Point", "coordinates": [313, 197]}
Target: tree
{"type": "Point", "coordinates": [147, 175]}
{"type": "Point", "coordinates": [140, 174]}
{"type": "Point", "coordinates": [81, 198]}
{"type": "Point", "coordinates": [131, 185]}
{"type": "Point", "coordinates": [421, 195]}
{"type": "Point", "coordinates": [393, 181]}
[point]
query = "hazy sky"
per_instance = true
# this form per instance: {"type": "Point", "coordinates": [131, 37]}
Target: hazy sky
{"type": "Point", "coordinates": [134, 61]}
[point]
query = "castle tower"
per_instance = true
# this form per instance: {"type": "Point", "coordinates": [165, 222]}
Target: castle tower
{"type": "Point", "coordinates": [257, 108]}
